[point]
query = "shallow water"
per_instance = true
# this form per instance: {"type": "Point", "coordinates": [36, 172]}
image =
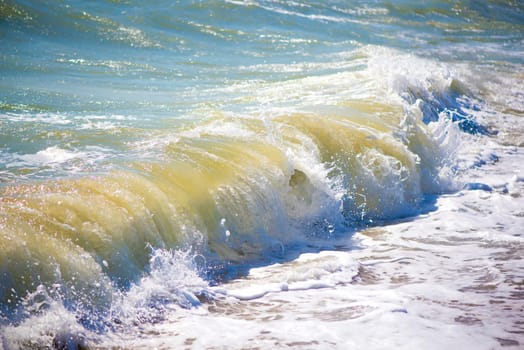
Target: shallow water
{"type": "Point", "coordinates": [261, 174]}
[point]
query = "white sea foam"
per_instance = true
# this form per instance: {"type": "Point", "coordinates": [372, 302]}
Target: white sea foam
{"type": "Point", "coordinates": [172, 281]}
{"type": "Point", "coordinates": [54, 161]}
{"type": "Point", "coordinates": [49, 156]}
{"type": "Point", "coordinates": [65, 331]}
{"type": "Point", "coordinates": [47, 118]}
{"type": "Point", "coordinates": [326, 269]}
{"type": "Point", "coordinates": [55, 156]}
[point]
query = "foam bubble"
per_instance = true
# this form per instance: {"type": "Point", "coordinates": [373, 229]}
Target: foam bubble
{"type": "Point", "coordinates": [326, 269]}
{"type": "Point", "coordinates": [173, 280]}
{"type": "Point", "coordinates": [49, 156]}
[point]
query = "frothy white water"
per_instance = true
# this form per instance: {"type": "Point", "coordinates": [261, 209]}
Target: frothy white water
{"type": "Point", "coordinates": [49, 156]}
{"type": "Point", "coordinates": [54, 161]}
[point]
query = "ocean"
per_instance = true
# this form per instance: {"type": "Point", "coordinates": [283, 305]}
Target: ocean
{"type": "Point", "coordinates": [261, 174]}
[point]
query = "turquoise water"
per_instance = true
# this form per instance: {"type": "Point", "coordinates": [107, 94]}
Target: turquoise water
{"type": "Point", "coordinates": [238, 132]}
{"type": "Point", "coordinates": [160, 60]}
{"type": "Point", "coordinates": [71, 69]}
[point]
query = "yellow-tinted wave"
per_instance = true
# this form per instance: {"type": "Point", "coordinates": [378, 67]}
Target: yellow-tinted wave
{"type": "Point", "coordinates": [229, 193]}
